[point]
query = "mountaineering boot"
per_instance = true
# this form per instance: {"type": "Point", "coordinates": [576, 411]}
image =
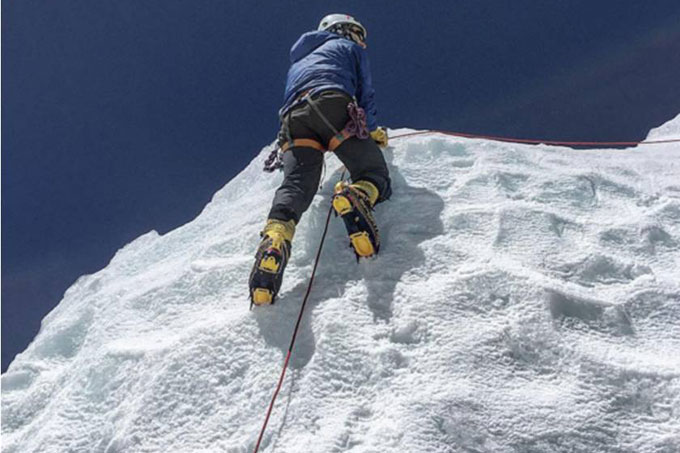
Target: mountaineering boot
{"type": "Point", "coordinates": [270, 261]}
{"type": "Point", "coordinates": [354, 203]}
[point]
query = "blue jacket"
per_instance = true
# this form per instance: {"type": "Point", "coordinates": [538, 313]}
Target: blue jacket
{"type": "Point", "coordinates": [320, 61]}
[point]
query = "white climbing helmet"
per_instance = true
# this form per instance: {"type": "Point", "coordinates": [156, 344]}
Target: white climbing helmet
{"type": "Point", "coordinates": [341, 24]}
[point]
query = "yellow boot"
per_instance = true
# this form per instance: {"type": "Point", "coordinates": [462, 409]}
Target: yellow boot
{"type": "Point", "coordinates": [270, 261]}
{"type": "Point", "coordinates": [354, 203]}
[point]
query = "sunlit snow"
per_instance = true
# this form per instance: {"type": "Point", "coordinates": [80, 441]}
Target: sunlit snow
{"type": "Point", "coordinates": [526, 299]}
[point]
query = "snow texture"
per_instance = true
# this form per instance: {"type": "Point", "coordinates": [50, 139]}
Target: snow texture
{"type": "Point", "coordinates": [526, 299]}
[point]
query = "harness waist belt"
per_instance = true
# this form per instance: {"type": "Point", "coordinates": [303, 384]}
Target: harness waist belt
{"type": "Point", "coordinates": [333, 144]}
{"type": "Point", "coordinates": [303, 143]}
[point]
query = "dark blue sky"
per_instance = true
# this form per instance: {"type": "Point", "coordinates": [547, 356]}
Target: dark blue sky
{"type": "Point", "coordinates": [123, 116]}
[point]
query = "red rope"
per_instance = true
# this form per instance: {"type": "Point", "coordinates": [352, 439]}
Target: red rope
{"type": "Point", "coordinates": [534, 141]}
{"type": "Point", "coordinates": [295, 331]}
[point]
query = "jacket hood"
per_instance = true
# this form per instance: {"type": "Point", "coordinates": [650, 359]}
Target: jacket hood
{"type": "Point", "coordinates": [308, 42]}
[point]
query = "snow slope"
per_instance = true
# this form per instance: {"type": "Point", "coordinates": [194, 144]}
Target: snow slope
{"type": "Point", "coordinates": [526, 299]}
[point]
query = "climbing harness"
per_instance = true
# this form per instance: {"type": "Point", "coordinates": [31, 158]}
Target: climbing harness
{"type": "Point", "coordinates": [355, 127]}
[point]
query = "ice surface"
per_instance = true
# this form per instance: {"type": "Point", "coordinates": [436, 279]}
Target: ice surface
{"type": "Point", "coordinates": [526, 299]}
{"type": "Point", "coordinates": [667, 131]}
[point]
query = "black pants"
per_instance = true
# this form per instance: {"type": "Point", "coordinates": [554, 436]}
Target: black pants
{"type": "Point", "coordinates": [302, 166]}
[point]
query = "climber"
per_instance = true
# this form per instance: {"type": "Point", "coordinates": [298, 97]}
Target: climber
{"type": "Point", "coordinates": [328, 106]}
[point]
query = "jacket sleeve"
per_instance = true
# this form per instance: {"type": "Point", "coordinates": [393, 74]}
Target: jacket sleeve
{"type": "Point", "coordinates": [365, 91]}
